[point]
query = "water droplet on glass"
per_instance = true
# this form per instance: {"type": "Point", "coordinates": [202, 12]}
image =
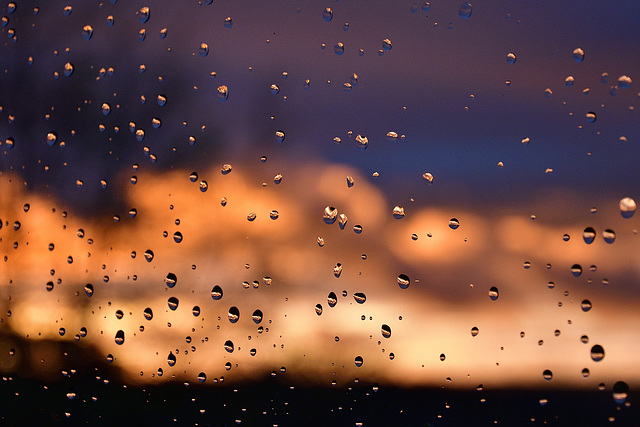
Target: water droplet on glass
{"type": "Point", "coordinates": [228, 22]}
{"type": "Point", "coordinates": [584, 339]}
{"type": "Point", "coordinates": [474, 331]}
{"type": "Point", "coordinates": [360, 297]}
{"type": "Point", "coordinates": [597, 353]}
{"type": "Point", "coordinates": [620, 392]}
{"type": "Point", "coordinates": [195, 311]}
{"type": "Point", "coordinates": [566, 237]}
{"type": "Point", "coordinates": [233, 314]}
{"type": "Point", "coordinates": [143, 14]}
{"type": "Point", "coordinates": [330, 214]}
{"type": "Point", "coordinates": [624, 82]}
{"type": "Point", "coordinates": [337, 270]}
{"type": "Point", "coordinates": [403, 281]}
{"type": "Point", "coordinates": [274, 214]}
{"type": "Point", "coordinates": [589, 235]}
{"type": "Point", "coordinates": [576, 270]}
{"type": "Point", "coordinates": [251, 216]}
{"type": "Point", "coordinates": [162, 100]}
{"type": "Point", "coordinates": [454, 223]}
{"type": "Point", "coordinates": [88, 289]}
{"type": "Point", "coordinates": [327, 14]}
{"type": "Point", "coordinates": [585, 305]}
{"type": "Point", "coordinates": [511, 58]}
{"type": "Point", "coordinates": [609, 235]}
{"type": "Point", "coordinates": [163, 33]}
{"type": "Point", "coordinates": [362, 142]}
{"type": "Point", "coordinates": [359, 361]}
{"type": "Point", "coordinates": [442, 357]}
{"type": "Point", "coordinates": [87, 32]}
{"type": "Point", "coordinates": [493, 293]}
{"type": "Point", "coordinates": [119, 337]}
{"type": "Point", "coordinates": [202, 377]}
{"type": "Point", "coordinates": [318, 309]}
{"type": "Point", "coordinates": [171, 359]}
{"type": "Point", "coordinates": [547, 375]}
{"type": "Point", "coordinates": [68, 69]}
{"type": "Point", "coordinates": [280, 136]}
{"type": "Point", "coordinates": [274, 89]}
{"type": "Point", "coordinates": [106, 109]}
{"type": "Point", "coordinates": [428, 177]}
{"type": "Point", "coordinates": [228, 346]}
{"type": "Point", "coordinates": [627, 207]}
{"type": "Point", "coordinates": [398, 212]}
{"type": "Point", "coordinates": [332, 299]}
{"type": "Point", "coordinates": [204, 186]}
{"type": "Point", "coordinates": [578, 55]}
{"type": "Point", "coordinates": [148, 313]}
{"type": "Point", "coordinates": [203, 49]}
{"type": "Point", "coordinates": [216, 292]}
{"type": "Point", "coordinates": [386, 331]}
{"type": "Point", "coordinates": [320, 241]}
{"type": "Point", "coordinates": [222, 93]}
{"type": "Point", "coordinates": [177, 237]}
{"type": "Point", "coordinates": [148, 255]}
{"type": "Point", "coordinates": [173, 303]}
{"type": "Point", "coordinates": [171, 280]}
{"type": "Point", "coordinates": [591, 117]}
{"type": "Point", "coordinates": [386, 44]}
{"type": "Point", "coordinates": [465, 10]}
{"type": "Point", "coordinates": [585, 373]}
{"type": "Point", "coordinates": [569, 81]}
{"type": "Point", "coordinates": [339, 48]}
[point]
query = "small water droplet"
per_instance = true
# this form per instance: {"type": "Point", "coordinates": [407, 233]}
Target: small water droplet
{"type": "Point", "coordinates": [173, 303]}
{"type": "Point", "coordinates": [332, 299]}
{"type": "Point", "coordinates": [87, 32]}
{"type": "Point", "coordinates": [228, 22]}
{"type": "Point", "coordinates": [203, 50]}
{"type": "Point", "coordinates": [148, 255]}
{"type": "Point", "coordinates": [143, 14]}
{"type": "Point", "coordinates": [337, 270]}
{"type": "Point", "coordinates": [222, 93]}
{"type": "Point", "coordinates": [589, 235]}
{"type": "Point", "coordinates": [68, 69]}
{"type": "Point", "coordinates": [216, 292]}
{"type": "Point", "coordinates": [585, 305]}
{"type": "Point", "coordinates": [88, 289]}
{"type": "Point", "coordinates": [493, 293]}
{"type": "Point", "coordinates": [274, 89]}
{"type": "Point", "coordinates": [620, 392]}
{"type": "Point", "coordinates": [362, 142]}
{"type": "Point", "coordinates": [280, 136]}
{"type": "Point", "coordinates": [339, 48]}
{"type": "Point", "coordinates": [578, 55]}
{"type": "Point", "coordinates": [385, 330]}
{"type": "Point", "coordinates": [511, 58]}
{"type": "Point", "coordinates": [566, 237]}
{"type": "Point", "coordinates": [569, 81]}
{"type": "Point", "coordinates": [204, 186]}
{"type": "Point", "coordinates": [171, 359]}
{"type": "Point", "coordinates": [233, 314]}
{"type": "Point", "coordinates": [627, 207]}
{"type": "Point", "coordinates": [359, 361]}
{"type": "Point", "coordinates": [597, 353]}
{"type": "Point", "coordinates": [454, 223]}
{"type": "Point", "coordinates": [360, 297]}
{"type": "Point", "coordinates": [398, 212]}
{"type": "Point", "coordinates": [609, 235]}
{"type": "Point", "coordinates": [330, 214]}
{"type": "Point", "coordinates": [177, 237]}
{"type": "Point", "coordinates": [256, 316]}
{"type": "Point", "coordinates": [228, 346]}
{"type": "Point", "coordinates": [576, 270]}
{"type": "Point", "coordinates": [465, 10]}
{"type": "Point", "coordinates": [148, 313]}
{"type": "Point", "coordinates": [547, 375]}
{"type": "Point", "coordinates": [403, 281]}
{"type": "Point", "coordinates": [162, 100]}
{"type": "Point", "coordinates": [386, 44]}
{"type": "Point", "coordinates": [591, 117]}
{"type": "Point", "coordinates": [428, 177]}
{"type": "Point", "coordinates": [474, 331]}
{"type": "Point", "coordinates": [171, 280]}
{"type": "Point", "coordinates": [624, 82]}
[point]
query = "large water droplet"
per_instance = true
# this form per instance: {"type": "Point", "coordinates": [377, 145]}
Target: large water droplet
{"type": "Point", "coordinates": [143, 14]}
{"type": "Point", "coordinates": [627, 207]}
{"type": "Point", "coordinates": [177, 237]}
{"type": "Point", "coordinates": [359, 361]}
{"type": "Point", "coordinates": [454, 223]}
{"type": "Point", "coordinates": [398, 212]}
{"type": "Point", "coordinates": [597, 353]}
{"type": "Point", "coordinates": [256, 316]}
{"type": "Point", "coordinates": [233, 314]}
{"type": "Point", "coordinates": [330, 214]}
{"type": "Point", "coordinates": [171, 359]}
{"type": "Point", "coordinates": [332, 299]}
{"type": "Point", "coordinates": [173, 303]}
{"type": "Point", "coordinates": [474, 331]}
{"type": "Point", "coordinates": [589, 235]}
{"type": "Point", "coordinates": [609, 235]}
{"type": "Point", "coordinates": [88, 289]}
{"type": "Point", "coordinates": [337, 270]}
{"type": "Point", "coordinates": [576, 270]}
{"type": "Point", "coordinates": [119, 337]}
{"type": "Point", "coordinates": [624, 82]}
{"type": "Point", "coordinates": [465, 10]}
{"type": "Point", "coordinates": [493, 293]}
{"type": "Point", "coordinates": [216, 292]}
{"type": "Point", "coordinates": [578, 55]}
{"type": "Point", "coordinates": [318, 309]}
{"type": "Point", "coordinates": [228, 346]}
{"type": "Point", "coordinates": [360, 297]}
{"type": "Point", "coordinates": [585, 305]}
{"type": "Point", "coordinates": [148, 255]}
{"type": "Point", "coordinates": [280, 136]}
{"type": "Point", "coordinates": [386, 331]}
{"type": "Point", "coordinates": [620, 392]}
{"type": "Point", "coordinates": [386, 44]}
{"type": "Point", "coordinates": [87, 32]}
{"type": "Point", "coordinates": [362, 142]}
{"type": "Point", "coordinates": [68, 69]}
{"type": "Point", "coordinates": [511, 58]}
{"type": "Point", "coordinates": [339, 48]}
{"type": "Point", "coordinates": [171, 280]}
{"type": "Point", "coordinates": [327, 14]}
{"type": "Point", "coordinates": [202, 377]}
{"type": "Point", "coordinates": [403, 281]}
{"type": "Point", "coordinates": [204, 49]}
{"type": "Point", "coordinates": [591, 117]}
{"type": "Point", "coordinates": [547, 375]}
{"type": "Point", "coordinates": [223, 93]}
{"type": "Point", "coordinates": [148, 313]}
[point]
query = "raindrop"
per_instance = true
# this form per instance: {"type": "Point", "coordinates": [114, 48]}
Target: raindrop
{"type": "Point", "coordinates": [386, 331]}
{"type": "Point", "coordinates": [597, 353]}
{"type": "Point", "coordinates": [624, 82]}
{"type": "Point", "coordinates": [119, 337]}
{"type": "Point", "coordinates": [106, 109]}
{"type": "Point", "coordinates": [547, 375]}
{"type": "Point", "coordinates": [578, 55]}
{"type": "Point", "coordinates": [342, 221]}
{"type": "Point", "coordinates": [280, 136]}
{"type": "Point", "coordinates": [68, 69]}
{"type": "Point", "coordinates": [566, 237]}
{"type": "Point", "coordinates": [403, 281]}
{"type": "Point", "coordinates": [318, 309]}
{"type": "Point", "coordinates": [585, 373]}
{"type": "Point", "coordinates": [162, 100]}
{"type": "Point", "coordinates": [398, 212]}
{"type": "Point", "coordinates": [256, 316]}
{"type": "Point", "coordinates": [589, 235]}
{"type": "Point", "coordinates": [251, 216]}
{"type": "Point", "coordinates": [620, 392]}
{"type": "Point", "coordinates": [327, 14]}
{"type": "Point", "coordinates": [148, 313]}
{"type": "Point", "coordinates": [171, 359]}
{"type": "Point", "coordinates": [339, 48]}
{"type": "Point", "coordinates": [87, 32]}
{"type": "Point", "coordinates": [493, 293]}
{"type": "Point", "coordinates": [474, 331]}
{"type": "Point", "coordinates": [195, 311]}
{"type": "Point", "coordinates": [233, 314]}
{"type": "Point", "coordinates": [228, 346]}
{"type": "Point", "coordinates": [337, 270]}
{"type": "Point", "coordinates": [357, 229]}
{"type": "Point", "coordinates": [204, 186]}
{"type": "Point", "coordinates": [202, 377]}
{"type": "Point", "coordinates": [148, 255]}
{"type": "Point", "coordinates": [359, 361]}
{"type": "Point", "coordinates": [61, 331]}
{"type": "Point", "coordinates": [511, 58]}
{"type": "Point", "coordinates": [223, 93]}
{"type": "Point", "coordinates": [442, 357]}
{"type": "Point", "coordinates": [609, 236]}
{"type": "Point", "coordinates": [454, 223]}
{"type": "Point", "coordinates": [386, 44]}
{"type": "Point", "coordinates": [591, 117]}
{"type": "Point", "coordinates": [173, 303]}
{"type": "Point", "coordinates": [332, 299]}
{"type": "Point", "coordinates": [362, 142]}
{"type": "Point", "coordinates": [274, 214]}
{"type": "Point", "coordinates": [143, 14]}
{"type": "Point", "coordinates": [274, 89]}
{"type": "Point", "coordinates": [177, 237]}
{"type": "Point", "coordinates": [627, 207]}
{"type": "Point", "coordinates": [49, 286]}
{"type": "Point", "coordinates": [576, 270]}
{"type": "Point", "coordinates": [216, 292]}
{"type": "Point", "coordinates": [586, 305]}
{"type": "Point", "coordinates": [360, 297]}
{"type": "Point", "coordinates": [584, 339]}
{"type": "Point", "coordinates": [204, 49]}
{"type": "Point", "coordinates": [330, 214]}
{"type": "Point", "coordinates": [465, 10]}
{"type": "Point", "coordinates": [569, 81]}
{"type": "Point", "coordinates": [171, 280]}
